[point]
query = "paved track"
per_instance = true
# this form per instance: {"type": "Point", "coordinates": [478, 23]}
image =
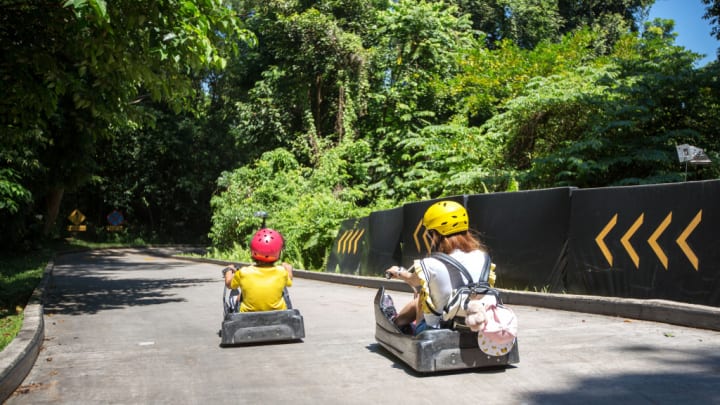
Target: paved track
{"type": "Point", "coordinates": [125, 327]}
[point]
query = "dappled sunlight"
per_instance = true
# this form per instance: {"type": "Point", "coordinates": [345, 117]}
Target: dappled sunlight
{"type": "Point", "coordinates": [69, 294]}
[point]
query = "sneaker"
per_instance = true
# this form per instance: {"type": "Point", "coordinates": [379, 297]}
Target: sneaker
{"type": "Point", "coordinates": [388, 307]}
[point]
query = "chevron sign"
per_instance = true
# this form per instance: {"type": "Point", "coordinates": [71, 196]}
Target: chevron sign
{"type": "Point", "coordinates": [629, 245]}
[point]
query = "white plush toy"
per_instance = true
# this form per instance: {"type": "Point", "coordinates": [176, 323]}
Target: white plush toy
{"type": "Point", "coordinates": [475, 315]}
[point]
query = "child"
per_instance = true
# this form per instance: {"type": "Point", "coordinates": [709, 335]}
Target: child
{"type": "Point", "coordinates": [263, 283]}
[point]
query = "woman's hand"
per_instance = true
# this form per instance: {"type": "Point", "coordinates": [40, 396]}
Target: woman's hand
{"type": "Point", "coordinates": [393, 272]}
{"type": "Point", "coordinates": [399, 272]}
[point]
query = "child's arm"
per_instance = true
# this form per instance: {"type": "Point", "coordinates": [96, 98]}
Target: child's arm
{"type": "Point", "coordinates": [228, 273]}
{"type": "Point", "coordinates": [289, 269]}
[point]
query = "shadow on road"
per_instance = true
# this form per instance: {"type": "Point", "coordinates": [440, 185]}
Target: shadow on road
{"type": "Point", "coordinates": [89, 295]}
{"type": "Point", "coordinates": [652, 386]}
{"type": "Point", "coordinates": [82, 285]}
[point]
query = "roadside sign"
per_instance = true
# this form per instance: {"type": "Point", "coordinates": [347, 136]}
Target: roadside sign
{"type": "Point", "coordinates": [77, 218]}
{"type": "Point", "coordinates": [115, 220]}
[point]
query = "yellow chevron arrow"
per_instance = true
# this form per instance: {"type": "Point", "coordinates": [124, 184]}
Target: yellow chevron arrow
{"type": "Point", "coordinates": [341, 241]}
{"type": "Point", "coordinates": [625, 240]}
{"type": "Point", "coordinates": [682, 240]}
{"type": "Point", "coordinates": [423, 236]}
{"type": "Point", "coordinates": [349, 240]}
{"type": "Point", "coordinates": [356, 239]}
{"type": "Point", "coordinates": [415, 236]}
{"type": "Point", "coordinates": [599, 239]}
{"type": "Point", "coordinates": [346, 241]}
{"type": "Point", "coordinates": [654, 237]}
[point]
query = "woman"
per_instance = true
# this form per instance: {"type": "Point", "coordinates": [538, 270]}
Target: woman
{"type": "Point", "coordinates": [447, 226]}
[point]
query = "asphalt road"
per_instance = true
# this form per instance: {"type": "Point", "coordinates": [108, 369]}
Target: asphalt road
{"type": "Point", "coordinates": [125, 327]}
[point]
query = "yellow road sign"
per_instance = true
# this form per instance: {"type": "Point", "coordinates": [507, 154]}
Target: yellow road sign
{"type": "Point", "coordinates": [76, 217]}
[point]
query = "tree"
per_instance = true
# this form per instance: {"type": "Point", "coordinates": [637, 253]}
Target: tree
{"type": "Point", "coordinates": [417, 51]}
{"type": "Point", "coordinates": [614, 123]}
{"type": "Point", "coordinates": [160, 177]}
{"type": "Point", "coordinates": [302, 88]}
{"type": "Point", "coordinates": [712, 13]}
{"type": "Point", "coordinates": [524, 22]}
{"type": "Point", "coordinates": [598, 13]}
{"type": "Point", "coordinates": [490, 78]}
{"type": "Point", "coordinates": [73, 72]}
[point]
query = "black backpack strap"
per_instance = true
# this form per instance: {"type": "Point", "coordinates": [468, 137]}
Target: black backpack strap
{"type": "Point", "coordinates": [449, 260]}
{"type": "Point", "coordinates": [485, 273]}
{"type": "Point", "coordinates": [480, 287]}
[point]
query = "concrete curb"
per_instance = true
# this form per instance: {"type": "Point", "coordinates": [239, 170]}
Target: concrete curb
{"type": "Point", "coordinates": [671, 312]}
{"type": "Point", "coordinates": [18, 358]}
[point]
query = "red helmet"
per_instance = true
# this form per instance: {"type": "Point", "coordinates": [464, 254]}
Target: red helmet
{"type": "Point", "coordinates": [266, 245]}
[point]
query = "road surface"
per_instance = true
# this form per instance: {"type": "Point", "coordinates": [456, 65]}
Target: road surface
{"type": "Point", "coordinates": [128, 327]}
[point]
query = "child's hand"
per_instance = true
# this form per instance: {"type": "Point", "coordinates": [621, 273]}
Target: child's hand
{"type": "Point", "coordinates": [289, 268]}
{"type": "Point", "coordinates": [230, 268]}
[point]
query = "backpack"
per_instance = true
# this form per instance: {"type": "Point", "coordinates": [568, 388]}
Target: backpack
{"type": "Point", "coordinates": [455, 310]}
{"type": "Point", "coordinates": [498, 332]}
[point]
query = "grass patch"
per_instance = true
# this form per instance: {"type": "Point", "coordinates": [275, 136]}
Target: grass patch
{"type": "Point", "coordinates": [20, 274]}
{"type": "Point", "coordinates": [18, 278]}
{"type": "Point", "coordinates": [9, 328]}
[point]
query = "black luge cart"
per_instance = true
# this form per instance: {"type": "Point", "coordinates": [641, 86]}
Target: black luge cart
{"type": "Point", "coordinates": [260, 327]}
{"type": "Point", "coordinates": [435, 350]}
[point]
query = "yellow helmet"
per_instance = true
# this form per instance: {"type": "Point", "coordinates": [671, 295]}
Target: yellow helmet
{"type": "Point", "coordinates": [446, 217]}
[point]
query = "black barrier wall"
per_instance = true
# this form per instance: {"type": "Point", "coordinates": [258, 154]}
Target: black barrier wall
{"type": "Point", "coordinates": [658, 241]}
{"type": "Point", "coordinates": [346, 255]}
{"type": "Point", "coordinates": [384, 231]}
{"type": "Point", "coordinates": [525, 232]}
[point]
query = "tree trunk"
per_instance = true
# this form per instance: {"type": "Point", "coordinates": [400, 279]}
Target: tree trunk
{"type": "Point", "coordinates": [52, 200]}
{"type": "Point", "coordinates": [340, 118]}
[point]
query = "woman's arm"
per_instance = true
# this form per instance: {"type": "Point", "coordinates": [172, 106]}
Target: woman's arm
{"type": "Point", "coordinates": [410, 277]}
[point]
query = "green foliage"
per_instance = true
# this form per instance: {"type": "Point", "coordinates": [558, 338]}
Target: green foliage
{"type": "Point", "coordinates": [160, 178]}
{"type": "Point", "coordinates": [446, 160]}
{"type": "Point", "coordinates": [305, 206]}
{"type": "Point", "coordinates": [418, 45]}
{"type": "Point", "coordinates": [490, 78]}
{"type": "Point", "coordinates": [75, 73]}
{"type": "Point", "coordinates": [12, 194]}
{"type": "Point", "coordinates": [330, 109]}
{"type": "Point", "coordinates": [712, 13]}
{"type": "Point", "coordinates": [613, 124]}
